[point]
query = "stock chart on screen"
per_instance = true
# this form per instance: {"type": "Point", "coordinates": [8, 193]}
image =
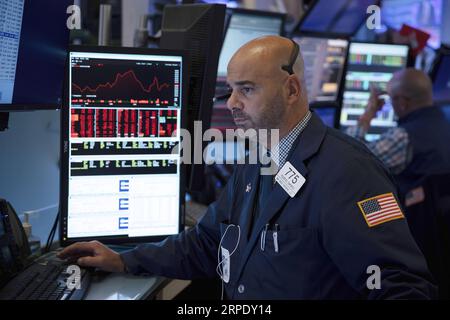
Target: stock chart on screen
{"type": "Point", "coordinates": [132, 98]}
{"type": "Point", "coordinates": [97, 82]}
{"type": "Point", "coordinates": [121, 171]}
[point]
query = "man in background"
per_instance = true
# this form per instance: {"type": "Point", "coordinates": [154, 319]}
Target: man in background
{"type": "Point", "coordinates": [420, 145]}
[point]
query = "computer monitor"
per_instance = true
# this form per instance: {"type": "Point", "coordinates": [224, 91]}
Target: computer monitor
{"type": "Point", "coordinates": [244, 26]}
{"type": "Point", "coordinates": [33, 43]}
{"type": "Point", "coordinates": [337, 17]}
{"type": "Point", "coordinates": [370, 64]}
{"type": "Point", "coordinates": [441, 79]}
{"type": "Point", "coordinates": [197, 28]}
{"type": "Point", "coordinates": [328, 114]}
{"type": "Point", "coordinates": [324, 66]}
{"type": "Point", "coordinates": [446, 110]}
{"type": "Point", "coordinates": [121, 181]}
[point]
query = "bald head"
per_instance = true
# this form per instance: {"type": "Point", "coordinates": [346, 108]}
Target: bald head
{"type": "Point", "coordinates": [414, 87]}
{"type": "Point", "coordinates": [272, 51]}
{"type": "Point", "coordinates": [269, 54]}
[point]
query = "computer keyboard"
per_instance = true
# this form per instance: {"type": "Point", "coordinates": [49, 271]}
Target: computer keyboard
{"type": "Point", "coordinates": [47, 279]}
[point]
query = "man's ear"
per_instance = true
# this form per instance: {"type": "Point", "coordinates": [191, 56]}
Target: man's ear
{"type": "Point", "coordinates": [294, 88]}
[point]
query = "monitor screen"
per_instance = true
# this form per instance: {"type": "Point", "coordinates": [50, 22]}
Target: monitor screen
{"type": "Point", "coordinates": [33, 44]}
{"type": "Point", "coordinates": [243, 27]}
{"type": "Point", "coordinates": [120, 179]}
{"type": "Point", "coordinates": [324, 66]}
{"type": "Point", "coordinates": [370, 64]}
{"type": "Point", "coordinates": [441, 80]}
{"type": "Point", "coordinates": [446, 110]}
{"type": "Point", "coordinates": [343, 17]}
{"type": "Point", "coordinates": [327, 115]}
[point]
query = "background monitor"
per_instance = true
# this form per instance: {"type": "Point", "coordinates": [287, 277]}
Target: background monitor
{"type": "Point", "coordinates": [120, 180]}
{"type": "Point", "coordinates": [33, 43]}
{"type": "Point", "coordinates": [324, 66]}
{"type": "Point", "coordinates": [446, 110]}
{"type": "Point", "coordinates": [370, 64]}
{"type": "Point", "coordinates": [244, 26]}
{"type": "Point", "coordinates": [328, 114]}
{"type": "Point", "coordinates": [197, 28]}
{"type": "Point", "coordinates": [441, 79]}
{"type": "Point", "coordinates": [339, 17]}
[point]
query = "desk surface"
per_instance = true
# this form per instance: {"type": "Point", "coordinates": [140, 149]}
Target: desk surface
{"type": "Point", "coordinates": [117, 286]}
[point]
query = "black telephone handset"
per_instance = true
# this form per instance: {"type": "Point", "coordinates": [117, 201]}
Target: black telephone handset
{"type": "Point", "coordinates": [14, 248]}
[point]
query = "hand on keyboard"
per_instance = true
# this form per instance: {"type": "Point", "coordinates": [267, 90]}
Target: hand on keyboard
{"type": "Point", "coordinates": [93, 254]}
{"type": "Point", "coordinates": [47, 279]}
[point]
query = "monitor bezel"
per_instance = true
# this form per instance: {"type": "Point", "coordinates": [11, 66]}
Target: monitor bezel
{"type": "Point", "coordinates": [298, 26]}
{"type": "Point", "coordinates": [65, 126]}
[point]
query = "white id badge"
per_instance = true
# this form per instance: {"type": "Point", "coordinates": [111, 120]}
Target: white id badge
{"type": "Point", "coordinates": [290, 179]}
{"type": "Point", "coordinates": [225, 265]}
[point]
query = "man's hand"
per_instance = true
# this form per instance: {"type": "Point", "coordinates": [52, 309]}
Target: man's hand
{"type": "Point", "coordinates": [374, 105]}
{"type": "Point", "coordinates": [93, 254]}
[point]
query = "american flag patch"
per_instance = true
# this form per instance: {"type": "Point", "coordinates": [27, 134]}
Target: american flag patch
{"type": "Point", "coordinates": [380, 209]}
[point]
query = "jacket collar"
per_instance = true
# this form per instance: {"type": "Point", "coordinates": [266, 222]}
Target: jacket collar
{"type": "Point", "coordinates": [419, 113]}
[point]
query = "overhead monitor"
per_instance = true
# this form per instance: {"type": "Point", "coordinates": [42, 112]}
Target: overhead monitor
{"type": "Point", "coordinates": [370, 64]}
{"type": "Point", "coordinates": [426, 15]}
{"type": "Point", "coordinates": [338, 17]}
{"type": "Point", "coordinates": [244, 26]}
{"type": "Point", "coordinates": [121, 180]}
{"type": "Point", "coordinates": [324, 66]}
{"type": "Point", "coordinates": [33, 43]}
{"type": "Point", "coordinates": [441, 79]}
